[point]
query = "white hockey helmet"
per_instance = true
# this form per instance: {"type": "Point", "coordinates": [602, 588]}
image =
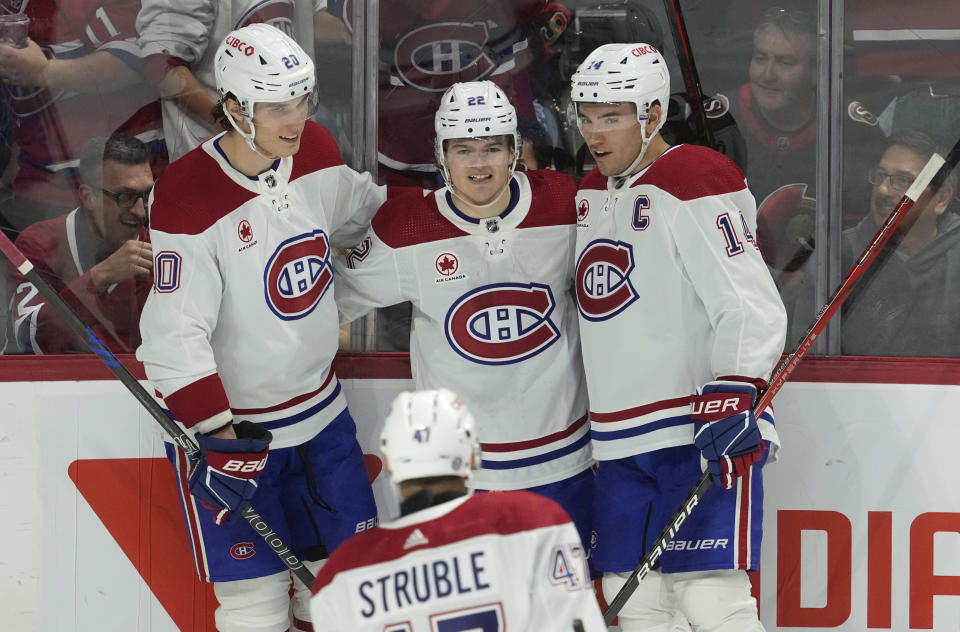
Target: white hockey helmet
{"type": "Point", "coordinates": [474, 109]}
{"type": "Point", "coordinates": [624, 73]}
{"type": "Point", "coordinates": [427, 434]}
{"type": "Point", "coordinates": [259, 63]}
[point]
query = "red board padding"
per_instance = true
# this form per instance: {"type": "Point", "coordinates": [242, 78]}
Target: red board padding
{"type": "Point", "coordinates": [79, 367]}
{"type": "Point", "coordinates": [396, 365]}
{"type": "Point", "coordinates": [137, 502]}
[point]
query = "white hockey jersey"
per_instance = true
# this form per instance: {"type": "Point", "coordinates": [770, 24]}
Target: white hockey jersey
{"type": "Point", "coordinates": [188, 32]}
{"type": "Point", "coordinates": [672, 293]}
{"type": "Point", "coordinates": [490, 562]}
{"type": "Point", "coordinates": [241, 321]}
{"type": "Point", "coordinates": [493, 319]}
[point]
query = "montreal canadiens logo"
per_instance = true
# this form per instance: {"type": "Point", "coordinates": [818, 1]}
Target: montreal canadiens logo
{"type": "Point", "coordinates": [242, 551]}
{"type": "Point", "coordinates": [447, 264]}
{"type": "Point", "coordinates": [433, 57]}
{"type": "Point", "coordinates": [502, 323]}
{"type": "Point", "coordinates": [603, 279]}
{"type": "Point", "coordinates": [298, 275]}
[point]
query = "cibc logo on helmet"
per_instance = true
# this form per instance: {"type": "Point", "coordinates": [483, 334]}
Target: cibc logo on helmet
{"type": "Point", "coordinates": [241, 46]}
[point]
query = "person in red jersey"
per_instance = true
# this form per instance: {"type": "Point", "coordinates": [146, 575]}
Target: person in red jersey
{"type": "Point", "coordinates": [98, 256]}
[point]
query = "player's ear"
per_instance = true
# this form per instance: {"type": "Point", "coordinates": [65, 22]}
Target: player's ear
{"type": "Point", "coordinates": [233, 109]}
{"type": "Point", "coordinates": [654, 114]}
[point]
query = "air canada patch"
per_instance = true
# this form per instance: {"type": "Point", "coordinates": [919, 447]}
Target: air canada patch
{"type": "Point", "coordinates": [502, 323]}
{"type": "Point", "coordinates": [298, 275]}
{"type": "Point", "coordinates": [603, 279]}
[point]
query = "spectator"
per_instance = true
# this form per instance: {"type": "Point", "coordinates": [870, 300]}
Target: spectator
{"type": "Point", "coordinates": [517, 560]}
{"type": "Point", "coordinates": [777, 107]}
{"type": "Point", "coordinates": [777, 113]}
{"type": "Point", "coordinates": [908, 303]}
{"type": "Point", "coordinates": [179, 41]}
{"type": "Point", "coordinates": [97, 257]}
{"type": "Point", "coordinates": [79, 77]}
{"type": "Point", "coordinates": [536, 150]}
{"type": "Point", "coordinates": [428, 45]}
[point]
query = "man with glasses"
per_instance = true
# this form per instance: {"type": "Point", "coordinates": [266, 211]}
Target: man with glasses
{"type": "Point", "coordinates": [97, 256]}
{"type": "Point", "coordinates": [909, 303]}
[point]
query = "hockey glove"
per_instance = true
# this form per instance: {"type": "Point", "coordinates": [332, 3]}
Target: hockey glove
{"type": "Point", "coordinates": [225, 477]}
{"type": "Point", "coordinates": [725, 429]}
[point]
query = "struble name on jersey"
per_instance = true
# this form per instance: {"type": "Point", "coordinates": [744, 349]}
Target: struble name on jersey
{"type": "Point", "coordinates": [425, 578]}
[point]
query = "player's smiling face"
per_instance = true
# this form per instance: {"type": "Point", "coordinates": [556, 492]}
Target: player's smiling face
{"type": "Point", "coordinates": [279, 126]}
{"type": "Point", "coordinates": [479, 167]}
{"type": "Point", "coordinates": [612, 134]}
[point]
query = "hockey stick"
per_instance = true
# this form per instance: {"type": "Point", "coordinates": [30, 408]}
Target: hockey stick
{"type": "Point", "coordinates": [25, 268]}
{"type": "Point", "coordinates": [688, 68]}
{"type": "Point", "coordinates": [933, 174]}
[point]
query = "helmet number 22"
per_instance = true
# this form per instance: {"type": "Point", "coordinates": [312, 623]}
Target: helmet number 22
{"type": "Point", "coordinates": [476, 100]}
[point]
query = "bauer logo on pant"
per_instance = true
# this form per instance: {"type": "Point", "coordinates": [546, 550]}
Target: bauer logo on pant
{"type": "Point", "coordinates": [298, 275]}
{"type": "Point", "coordinates": [502, 323]}
{"type": "Point", "coordinates": [603, 279]}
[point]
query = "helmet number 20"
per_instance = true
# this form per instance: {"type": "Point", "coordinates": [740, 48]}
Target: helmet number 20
{"type": "Point", "coordinates": [290, 61]}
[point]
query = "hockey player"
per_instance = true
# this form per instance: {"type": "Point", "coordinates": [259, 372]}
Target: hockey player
{"type": "Point", "coordinates": [681, 325]}
{"type": "Point", "coordinates": [487, 263]}
{"type": "Point", "coordinates": [454, 560]}
{"type": "Point", "coordinates": [241, 328]}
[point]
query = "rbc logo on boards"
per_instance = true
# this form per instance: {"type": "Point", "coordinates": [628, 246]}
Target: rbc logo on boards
{"type": "Point", "coordinates": [298, 275]}
{"type": "Point", "coordinates": [603, 279]}
{"type": "Point", "coordinates": [502, 323]}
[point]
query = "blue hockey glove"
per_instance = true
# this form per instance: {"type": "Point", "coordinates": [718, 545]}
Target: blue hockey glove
{"type": "Point", "coordinates": [225, 477]}
{"type": "Point", "coordinates": [725, 429]}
